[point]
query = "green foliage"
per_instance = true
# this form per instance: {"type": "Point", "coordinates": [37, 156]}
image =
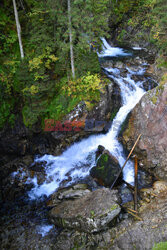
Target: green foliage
{"type": "Point", "coordinates": [147, 16]}
{"type": "Point", "coordinates": [5, 112]}
{"type": "Point", "coordinates": [86, 61]}
{"type": "Point", "coordinates": [86, 88]}
{"type": "Point", "coordinates": [160, 246]}
{"type": "Point", "coordinates": [40, 86]}
{"type": "Point", "coordinates": [120, 9]}
{"type": "Point", "coordinates": [41, 64]}
{"type": "Point", "coordinates": [160, 32]}
{"type": "Point", "coordinates": [60, 106]}
{"type": "Point", "coordinates": [29, 117]}
{"type": "Point", "coordinates": [92, 214]}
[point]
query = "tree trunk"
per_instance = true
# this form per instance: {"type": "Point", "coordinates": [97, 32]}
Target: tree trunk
{"type": "Point", "coordinates": [70, 35]}
{"type": "Point", "coordinates": [18, 29]}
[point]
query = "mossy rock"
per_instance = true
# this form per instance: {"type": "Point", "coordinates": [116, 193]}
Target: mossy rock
{"type": "Point", "coordinates": [106, 170]}
{"type": "Point", "coordinates": [160, 246]}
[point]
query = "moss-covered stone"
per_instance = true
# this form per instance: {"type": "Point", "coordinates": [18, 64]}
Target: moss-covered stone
{"type": "Point", "coordinates": [106, 170]}
{"type": "Point", "coordinates": [154, 99]}
{"type": "Point", "coordinates": [160, 246]}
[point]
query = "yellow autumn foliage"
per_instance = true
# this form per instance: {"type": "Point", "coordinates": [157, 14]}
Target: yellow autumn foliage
{"type": "Point", "coordinates": [32, 90]}
{"type": "Point", "coordinates": [87, 87]}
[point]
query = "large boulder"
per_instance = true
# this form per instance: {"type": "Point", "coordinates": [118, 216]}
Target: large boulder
{"type": "Point", "coordinates": [106, 170]}
{"type": "Point", "coordinates": [129, 233]}
{"type": "Point", "coordinates": [90, 213]}
{"type": "Point", "coordinates": [149, 119]}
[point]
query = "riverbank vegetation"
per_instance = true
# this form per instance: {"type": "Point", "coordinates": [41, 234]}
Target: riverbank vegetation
{"type": "Point", "coordinates": [41, 84]}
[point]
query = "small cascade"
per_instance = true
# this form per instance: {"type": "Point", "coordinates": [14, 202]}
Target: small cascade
{"type": "Point", "coordinates": [107, 50]}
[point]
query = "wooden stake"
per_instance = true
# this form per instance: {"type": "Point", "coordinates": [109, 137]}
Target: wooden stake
{"type": "Point", "coordinates": [134, 215]}
{"type": "Point", "coordinates": [136, 184]}
{"type": "Point", "coordinates": [126, 161]}
{"type": "Point", "coordinates": [129, 185]}
{"type": "Point", "coordinates": [131, 210]}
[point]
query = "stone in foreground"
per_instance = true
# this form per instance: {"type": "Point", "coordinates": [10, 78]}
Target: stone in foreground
{"type": "Point", "coordinates": [90, 213]}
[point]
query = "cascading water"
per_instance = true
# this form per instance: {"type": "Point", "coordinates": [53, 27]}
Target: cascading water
{"type": "Point", "coordinates": [26, 218]}
{"type": "Point", "coordinates": [78, 159]}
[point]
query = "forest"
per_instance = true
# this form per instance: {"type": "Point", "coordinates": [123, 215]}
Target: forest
{"type": "Point", "coordinates": [47, 81]}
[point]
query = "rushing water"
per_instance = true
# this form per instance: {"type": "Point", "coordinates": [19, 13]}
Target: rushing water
{"type": "Point", "coordinates": [112, 51]}
{"type": "Point", "coordinates": [26, 220]}
{"type": "Point", "coordinates": [78, 159]}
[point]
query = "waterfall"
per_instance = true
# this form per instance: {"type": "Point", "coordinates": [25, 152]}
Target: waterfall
{"type": "Point", "coordinates": [79, 158]}
{"type": "Point", "coordinates": [112, 51]}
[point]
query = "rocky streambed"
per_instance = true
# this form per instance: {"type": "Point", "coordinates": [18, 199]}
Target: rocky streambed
{"type": "Point", "coordinates": [60, 202]}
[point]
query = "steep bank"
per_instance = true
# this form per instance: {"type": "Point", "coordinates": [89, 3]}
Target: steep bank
{"type": "Point", "coordinates": [149, 118]}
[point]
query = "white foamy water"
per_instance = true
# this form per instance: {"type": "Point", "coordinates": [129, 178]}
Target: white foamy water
{"type": "Point", "coordinates": [115, 71]}
{"type": "Point", "coordinates": [137, 48]}
{"type": "Point", "coordinates": [44, 229]}
{"type": "Point", "coordinates": [78, 159]}
{"type": "Point", "coordinates": [107, 50]}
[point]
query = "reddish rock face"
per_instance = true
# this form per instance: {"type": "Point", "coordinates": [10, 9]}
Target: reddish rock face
{"type": "Point", "coordinates": [149, 118]}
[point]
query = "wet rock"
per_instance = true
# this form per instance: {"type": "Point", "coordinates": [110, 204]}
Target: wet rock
{"type": "Point", "coordinates": [138, 78]}
{"type": "Point", "coordinates": [13, 140]}
{"type": "Point", "coordinates": [119, 65]}
{"type": "Point", "coordinates": [77, 113]}
{"type": "Point", "coordinates": [74, 192]}
{"type": "Point", "coordinates": [149, 84]}
{"type": "Point", "coordinates": [116, 100]}
{"type": "Point", "coordinates": [101, 109]}
{"type": "Point", "coordinates": [38, 166]}
{"type": "Point", "coordinates": [99, 151]}
{"type": "Point", "coordinates": [27, 160]}
{"type": "Point", "coordinates": [133, 67]}
{"type": "Point", "coordinates": [68, 193]}
{"type": "Point", "coordinates": [90, 213]}
{"type": "Point", "coordinates": [145, 179]}
{"type": "Point", "coordinates": [106, 170]}
{"type": "Point", "coordinates": [95, 126]}
{"type": "Point", "coordinates": [91, 183]}
{"type": "Point", "coordinates": [149, 119]}
{"type": "Point", "coordinates": [138, 60]}
{"type": "Point", "coordinates": [23, 224]}
{"type": "Point", "coordinates": [107, 64]}
{"type": "Point", "coordinates": [125, 194]}
{"type": "Point", "coordinates": [106, 109]}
